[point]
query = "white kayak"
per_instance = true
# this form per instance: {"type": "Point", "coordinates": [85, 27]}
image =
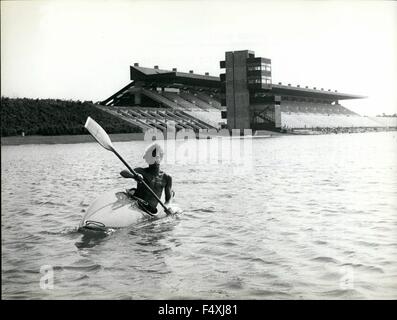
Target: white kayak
{"type": "Point", "coordinates": [115, 209]}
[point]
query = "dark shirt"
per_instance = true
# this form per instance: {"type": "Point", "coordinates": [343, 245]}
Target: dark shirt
{"type": "Point", "coordinates": [158, 181]}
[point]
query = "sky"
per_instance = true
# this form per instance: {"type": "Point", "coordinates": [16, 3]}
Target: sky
{"type": "Point", "coordinates": [83, 49]}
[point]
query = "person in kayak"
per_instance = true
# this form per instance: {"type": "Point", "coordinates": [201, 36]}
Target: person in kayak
{"type": "Point", "coordinates": [156, 179]}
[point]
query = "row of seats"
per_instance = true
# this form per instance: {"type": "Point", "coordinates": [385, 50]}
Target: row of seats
{"type": "Point", "coordinates": [160, 118]}
{"type": "Point", "coordinates": [190, 100]}
{"type": "Point", "coordinates": [119, 113]}
{"type": "Point", "coordinates": [308, 120]}
{"type": "Point", "coordinates": [173, 96]}
{"type": "Point", "coordinates": [386, 121]}
{"type": "Point", "coordinates": [311, 107]}
{"type": "Point", "coordinates": [209, 98]}
{"type": "Point", "coordinates": [194, 103]}
{"type": "Point", "coordinates": [195, 100]}
{"type": "Point", "coordinates": [212, 117]}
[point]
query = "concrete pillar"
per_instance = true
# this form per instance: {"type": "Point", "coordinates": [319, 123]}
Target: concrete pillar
{"type": "Point", "coordinates": [237, 94]}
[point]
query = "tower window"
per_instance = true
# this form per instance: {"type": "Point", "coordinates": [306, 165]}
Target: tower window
{"type": "Point", "coordinates": [266, 67]}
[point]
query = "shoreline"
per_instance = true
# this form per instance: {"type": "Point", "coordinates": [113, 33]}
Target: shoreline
{"type": "Point", "coordinates": [66, 139]}
{"type": "Point", "coordinates": [123, 137]}
{"type": "Point", "coordinates": [70, 139]}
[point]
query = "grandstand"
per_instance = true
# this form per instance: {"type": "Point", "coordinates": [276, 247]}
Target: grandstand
{"type": "Point", "coordinates": [309, 115]}
{"type": "Point", "coordinates": [243, 97]}
{"type": "Point", "coordinates": [253, 101]}
{"type": "Point", "coordinates": [317, 116]}
{"type": "Point", "coordinates": [156, 98]}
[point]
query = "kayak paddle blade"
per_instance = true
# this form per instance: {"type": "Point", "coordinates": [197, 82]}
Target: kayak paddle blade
{"type": "Point", "coordinates": [126, 174]}
{"type": "Point", "coordinates": [98, 133]}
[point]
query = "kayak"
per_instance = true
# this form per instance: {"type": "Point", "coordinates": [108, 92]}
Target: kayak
{"type": "Point", "coordinates": [116, 209]}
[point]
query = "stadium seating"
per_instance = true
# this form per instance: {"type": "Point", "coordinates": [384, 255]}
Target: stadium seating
{"type": "Point", "coordinates": [212, 117]}
{"type": "Point", "coordinates": [195, 100]}
{"type": "Point", "coordinates": [194, 109]}
{"type": "Point", "coordinates": [208, 98]}
{"type": "Point", "coordinates": [175, 97]}
{"type": "Point", "coordinates": [160, 118]}
{"type": "Point", "coordinates": [390, 122]}
{"type": "Point", "coordinates": [310, 115]}
{"type": "Point", "coordinates": [153, 94]}
{"type": "Point", "coordinates": [293, 120]}
{"type": "Point", "coordinates": [193, 104]}
{"type": "Point", "coordinates": [312, 107]}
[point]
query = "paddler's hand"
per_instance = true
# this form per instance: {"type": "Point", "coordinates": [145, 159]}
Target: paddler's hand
{"type": "Point", "coordinates": [170, 210]}
{"type": "Point", "coordinates": [138, 177]}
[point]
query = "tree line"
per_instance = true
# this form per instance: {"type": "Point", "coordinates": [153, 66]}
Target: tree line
{"type": "Point", "coordinates": [55, 117]}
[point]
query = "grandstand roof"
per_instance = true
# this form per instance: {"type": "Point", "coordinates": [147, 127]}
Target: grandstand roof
{"type": "Point", "coordinates": [314, 93]}
{"type": "Point", "coordinates": [150, 71]}
{"type": "Point", "coordinates": [174, 78]}
{"type": "Point", "coordinates": [162, 76]}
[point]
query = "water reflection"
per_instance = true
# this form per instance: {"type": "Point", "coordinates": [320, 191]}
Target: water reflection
{"type": "Point", "coordinates": [147, 233]}
{"type": "Point", "coordinates": [150, 233]}
{"type": "Point", "coordinates": [91, 238]}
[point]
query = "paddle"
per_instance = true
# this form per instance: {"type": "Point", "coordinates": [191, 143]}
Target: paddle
{"type": "Point", "coordinates": [103, 139]}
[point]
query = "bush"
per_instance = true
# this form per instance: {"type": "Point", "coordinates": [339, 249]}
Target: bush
{"type": "Point", "coordinates": [55, 117]}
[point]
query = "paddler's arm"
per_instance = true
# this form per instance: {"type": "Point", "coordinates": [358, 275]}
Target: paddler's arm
{"type": "Point", "coordinates": [127, 174]}
{"type": "Point", "coordinates": [168, 189]}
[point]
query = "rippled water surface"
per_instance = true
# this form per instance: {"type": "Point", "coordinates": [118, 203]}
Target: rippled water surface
{"type": "Point", "coordinates": [301, 217]}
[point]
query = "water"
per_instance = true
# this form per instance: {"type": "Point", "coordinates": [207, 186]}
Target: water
{"type": "Point", "coordinates": [305, 217]}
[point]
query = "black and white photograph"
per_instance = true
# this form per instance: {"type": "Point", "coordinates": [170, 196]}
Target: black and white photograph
{"type": "Point", "coordinates": [198, 150]}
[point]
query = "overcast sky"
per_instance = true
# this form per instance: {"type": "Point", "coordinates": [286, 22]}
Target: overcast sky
{"type": "Point", "coordinates": [83, 49]}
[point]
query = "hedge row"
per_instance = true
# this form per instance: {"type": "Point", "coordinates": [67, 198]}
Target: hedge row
{"type": "Point", "coordinates": [55, 117]}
